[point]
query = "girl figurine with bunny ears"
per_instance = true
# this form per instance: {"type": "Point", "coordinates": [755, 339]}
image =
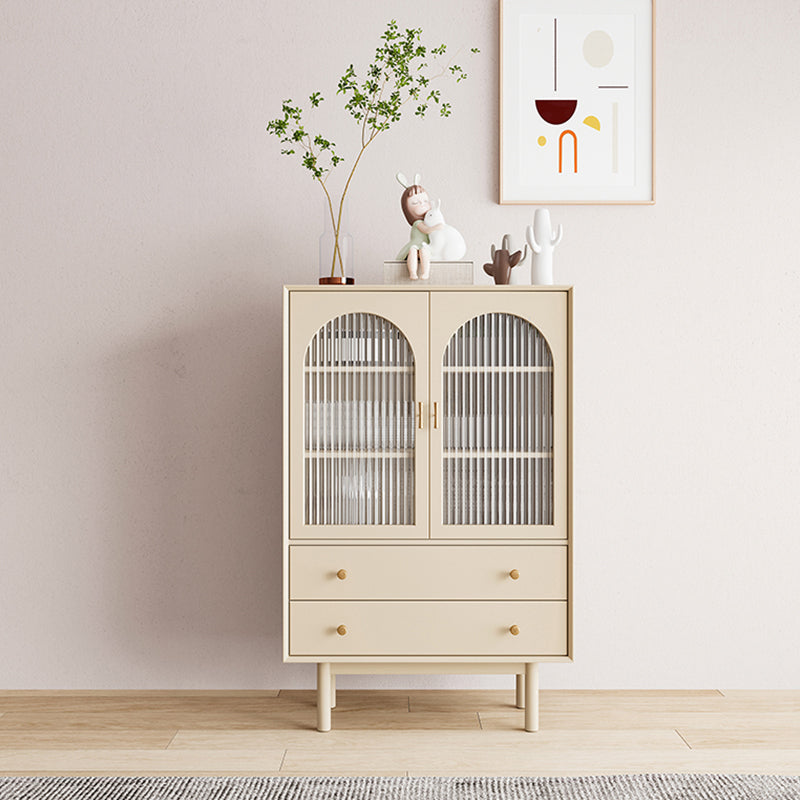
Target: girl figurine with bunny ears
{"type": "Point", "coordinates": [415, 204]}
{"type": "Point", "coordinates": [431, 237]}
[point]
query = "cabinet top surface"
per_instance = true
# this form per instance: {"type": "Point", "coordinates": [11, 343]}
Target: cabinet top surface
{"type": "Point", "coordinates": [382, 287]}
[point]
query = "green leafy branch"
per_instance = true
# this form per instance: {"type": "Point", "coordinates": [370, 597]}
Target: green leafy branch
{"type": "Point", "coordinates": [399, 74]}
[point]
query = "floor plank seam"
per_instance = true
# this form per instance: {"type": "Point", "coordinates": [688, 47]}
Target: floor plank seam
{"type": "Point", "coordinates": [683, 738]}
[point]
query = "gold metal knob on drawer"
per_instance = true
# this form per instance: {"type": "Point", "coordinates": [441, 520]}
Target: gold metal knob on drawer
{"type": "Point", "coordinates": [341, 574]}
{"type": "Point", "coordinates": [514, 574]}
{"type": "Point", "coordinates": [341, 630]}
{"type": "Point", "coordinates": [514, 630]}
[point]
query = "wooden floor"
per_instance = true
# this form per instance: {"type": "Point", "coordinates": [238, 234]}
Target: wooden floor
{"type": "Point", "coordinates": [398, 733]}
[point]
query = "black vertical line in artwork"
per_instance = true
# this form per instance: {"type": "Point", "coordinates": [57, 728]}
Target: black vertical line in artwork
{"type": "Point", "coordinates": [555, 55]}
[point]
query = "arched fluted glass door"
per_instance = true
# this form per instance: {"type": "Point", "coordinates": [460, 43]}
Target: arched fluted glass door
{"type": "Point", "coordinates": [497, 424]}
{"type": "Point", "coordinates": [359, 431]}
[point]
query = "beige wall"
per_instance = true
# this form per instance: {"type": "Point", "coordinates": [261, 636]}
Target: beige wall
{"type": "Point", "coordinates": [147, 223]}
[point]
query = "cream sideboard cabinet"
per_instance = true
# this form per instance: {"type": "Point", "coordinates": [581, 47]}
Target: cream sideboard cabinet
{"type": "Point", "coordinates": [427, 512]}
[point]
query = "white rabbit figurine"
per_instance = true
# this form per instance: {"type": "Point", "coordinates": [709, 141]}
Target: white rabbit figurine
{"type": "Point", "coordinates": [446, 243]}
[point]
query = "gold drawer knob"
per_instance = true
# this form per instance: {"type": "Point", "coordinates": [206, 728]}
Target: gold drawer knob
{"type": "Point", "coordinates": [341, 574]}
{"type": "Point", "coordinates": [514, 630]}
{"type": "Point", "coordinates": [341, 630]}
{"type": "Point", "coordinates": [514, 574]}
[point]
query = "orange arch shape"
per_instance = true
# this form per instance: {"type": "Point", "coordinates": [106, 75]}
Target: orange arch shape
{"type": "Point", "coordinates": [574, 150]}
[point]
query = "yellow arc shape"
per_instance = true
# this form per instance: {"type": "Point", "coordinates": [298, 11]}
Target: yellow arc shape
{"type": "Point", "coordinates": [592, 122]}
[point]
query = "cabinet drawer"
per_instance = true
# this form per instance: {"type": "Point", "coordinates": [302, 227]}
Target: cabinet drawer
{"type": "Point", "coordinates": [427, 629]}
{"type": "Point", "coordinates": [469, 572]}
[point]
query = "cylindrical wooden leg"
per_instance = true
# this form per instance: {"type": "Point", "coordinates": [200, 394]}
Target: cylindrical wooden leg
{"type": "Point", "coordinates": [323, 697]}
{"type": "Point", "coordinates": [521, 691]}
{"type": "Point", "coordinates": [532, 697]}
{"type": "Point", "coordinates": [333, 690]}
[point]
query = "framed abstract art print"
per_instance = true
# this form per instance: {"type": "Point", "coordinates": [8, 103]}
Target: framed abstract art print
{"type": "Point", "coordinates": [576, 101]}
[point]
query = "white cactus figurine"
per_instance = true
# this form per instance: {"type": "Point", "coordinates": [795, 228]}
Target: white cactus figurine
{"type": "Point", "coordinates": [543, 241]}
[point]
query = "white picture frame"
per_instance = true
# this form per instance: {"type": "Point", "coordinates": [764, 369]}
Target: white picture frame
{"type": "Point", "coordinates": [577, 102]}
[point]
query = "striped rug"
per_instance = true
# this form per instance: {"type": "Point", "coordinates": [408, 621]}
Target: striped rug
{"type": "Point", "coordinates": [607, 787]}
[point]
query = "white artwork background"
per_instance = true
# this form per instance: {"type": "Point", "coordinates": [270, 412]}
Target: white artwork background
{"type": "Point", "coordinates": [576, 79]}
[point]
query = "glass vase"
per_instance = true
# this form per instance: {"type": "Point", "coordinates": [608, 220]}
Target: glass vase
{"type": "Point", "coordinates": [336, 253]}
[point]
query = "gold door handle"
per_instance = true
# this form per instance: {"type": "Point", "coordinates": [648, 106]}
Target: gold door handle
{"type": "Point", "coordinates": [341, 574]}
{"type": "Point", "coordinates": [341, 630]}
{"type": "Point", "coordinates": [514, 629]}
{"type": "Point", "coordinates": [435, 415]}
{"type": "Point", "coordinates": [420, 418]}
{"type": "Point", "coordinates": [514, 574]}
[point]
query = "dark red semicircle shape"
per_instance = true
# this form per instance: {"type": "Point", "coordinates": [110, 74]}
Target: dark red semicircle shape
{"type": "Point", "coordinates": [556, 112]}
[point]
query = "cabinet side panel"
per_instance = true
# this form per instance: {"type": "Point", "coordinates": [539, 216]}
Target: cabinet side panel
{"type": "Point", "coordinates": [285, 487]}
{"type": "Point", "coordinates": [570, 518]}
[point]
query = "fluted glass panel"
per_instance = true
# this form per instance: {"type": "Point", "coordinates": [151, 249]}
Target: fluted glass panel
{"type": "Point", "coordinates": [359, 424]}
{"type": "Point", "coordinates": [498, 424]}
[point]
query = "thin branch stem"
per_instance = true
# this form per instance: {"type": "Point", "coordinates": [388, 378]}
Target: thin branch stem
{"type": "Point", "coordinates": [375, 105]}
{"type": "Point", "coordinates": [336, 250]}
{"type": "Point", "coordinates": [344, 194]}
